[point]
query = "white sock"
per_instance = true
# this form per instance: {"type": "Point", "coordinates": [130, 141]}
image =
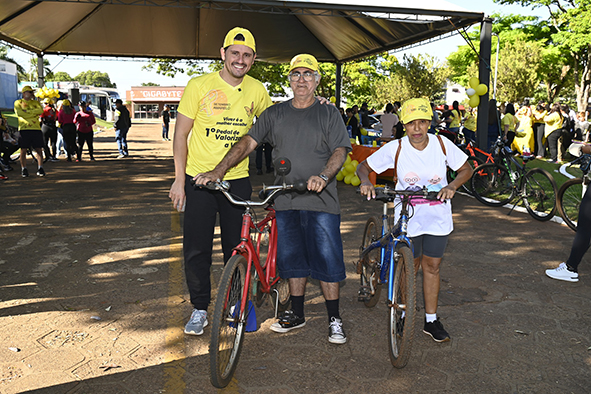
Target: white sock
{"type": "Point", "coordinates": [430, 317]}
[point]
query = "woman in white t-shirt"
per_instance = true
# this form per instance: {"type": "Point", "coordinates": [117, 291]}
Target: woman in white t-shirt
{"type": "Point", "coordinates": [388, 120]}
{"type": "Point", "coordinates": [423, 162]}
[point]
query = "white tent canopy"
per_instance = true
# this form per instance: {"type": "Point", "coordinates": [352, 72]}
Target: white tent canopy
{"type": "Point", "coordinates": [333, 31]}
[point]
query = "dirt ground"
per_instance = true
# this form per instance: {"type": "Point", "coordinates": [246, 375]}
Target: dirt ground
{"type": "Point", "coordinates": [93, 300]}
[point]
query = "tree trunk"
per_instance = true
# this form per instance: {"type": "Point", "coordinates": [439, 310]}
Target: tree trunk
{"type": "Point", "coordinates": [583, 80]}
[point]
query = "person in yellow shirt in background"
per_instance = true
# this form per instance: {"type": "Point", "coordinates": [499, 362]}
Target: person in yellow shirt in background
{"type": "Point", "coordinates": [540, 141]}
{"type": "Point", "coordinates": [454, 126]}
{"type": "Point", "coordinates": [469, 129]}
{"type": "Point", "coordinates": [524, 135]}
{"type": "Point", "coordinates": [28, 111]}
{"type": "Point", "coordinates": [216, 110]}
{"type": "Point", "coordinates": [553, 130]}
{"type": "Point", "coordinates": [508, 124]}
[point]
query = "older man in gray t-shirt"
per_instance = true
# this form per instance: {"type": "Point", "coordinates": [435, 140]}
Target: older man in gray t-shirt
{"type": "Point", "coordinates": [313, 137]}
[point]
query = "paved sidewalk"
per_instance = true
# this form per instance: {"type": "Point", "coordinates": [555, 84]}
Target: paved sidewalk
{"type": "Point", "coordinates": [93, 300]}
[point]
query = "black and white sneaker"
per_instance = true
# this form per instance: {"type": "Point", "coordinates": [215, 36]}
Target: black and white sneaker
{"type": "Point", "coordinates": [25, 172]}
{"type": "Point", "coordinates": [41, 172]}
{"type": "Point", "coordinates": [336, 334]}
{"type": "Point", "coordinates": [289, 321]}
{"type": "Point", "coordinates": [562, 272]}
{"type": "Point", "coordinates": [436, 330]}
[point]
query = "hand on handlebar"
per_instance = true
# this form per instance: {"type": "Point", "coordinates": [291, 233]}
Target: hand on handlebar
{"type": "Point", "coordinates": [206, 177]}
{"type": "Point", "coordinates": [446, 193]}
{"type": "Point", "coordinates": [367, 189]}
{"type": "Point", "coordinates": [316, 184]}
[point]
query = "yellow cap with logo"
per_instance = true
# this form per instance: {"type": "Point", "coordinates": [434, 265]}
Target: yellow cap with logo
{"type": "Point", "coordinates": [27, 88]}
{"type": "Point", "coordinates": [240, 36]}
{"type": "Point", "coordinates": [417, 108]}
{"type": "Point", "coordinates": [304, 60]}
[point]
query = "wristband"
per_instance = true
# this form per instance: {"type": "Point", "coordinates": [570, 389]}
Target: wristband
{"type": "Point", "coordinates": [324, 178]}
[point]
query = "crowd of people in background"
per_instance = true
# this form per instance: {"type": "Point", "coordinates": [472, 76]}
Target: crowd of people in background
{"type": "Point", "coordinates": [47, 129]}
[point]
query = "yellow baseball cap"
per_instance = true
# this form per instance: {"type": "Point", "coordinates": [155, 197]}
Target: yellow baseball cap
{"type": "Point", "coordinates": [304, 60]}
{"type": "Point", "coordinates": [66, 102]}
{"type": "Point", "coordinates": [27, 88]}
{"type": "Point", "coordinates": [417, 108]}
{"type": "Point", "coordinates": [240, 36]}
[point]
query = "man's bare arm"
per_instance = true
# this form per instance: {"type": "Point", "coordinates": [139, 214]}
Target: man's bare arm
{"type": "Point", "coordinates": [182, 129]}
{"type": "Point", "coordinates": [234, 156]}
{"type": "Point", "coordinates": [334, 164]}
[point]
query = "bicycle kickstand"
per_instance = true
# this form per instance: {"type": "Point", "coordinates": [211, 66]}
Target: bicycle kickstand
{"type": "Point", "coordinates": [276, 302]}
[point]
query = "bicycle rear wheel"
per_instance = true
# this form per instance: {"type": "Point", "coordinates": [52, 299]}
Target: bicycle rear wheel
{"type": "Point", "coordinates": [401, 329]}
{"type": "Point", "coordinates": [474, 162]}
{"type": "Point", "coordinates": [569, 200]}
{"type": "Point", "coordinates": [370, 266]}
{"type": "Point", "coordinates": [228, 324]}
{"type": "Point", "coordinates": [491, 185]}
{"type": "Point", "coordinates": [539, 194]}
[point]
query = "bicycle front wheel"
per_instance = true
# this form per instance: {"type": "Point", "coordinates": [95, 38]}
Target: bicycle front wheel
{"type": "Point", "coordinates": [401, 323]}
{"type": "Point", "coordinates": [539, 194]}
{"type": "Point", "coordinates": [370, 266]}
{"type": "Point", "coordinates": [491, 185]}
{"type": "Point", "coordinates": [569, 200]}
{"type": "Point", "coordinates": [228, 323]}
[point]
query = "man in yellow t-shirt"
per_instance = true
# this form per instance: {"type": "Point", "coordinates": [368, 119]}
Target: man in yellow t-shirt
{"type": "Point", "coordinates": [215, 111]}
{"type": "Point", "coordinates": [28, 111]}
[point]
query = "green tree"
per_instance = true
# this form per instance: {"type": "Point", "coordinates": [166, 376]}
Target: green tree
{"type": "Point", "coordinates": [518, 70]}
{"type": "Point", "coordinates": [150, 84]}
{"type": "Point", "coordinates": [571, 20]}
{"type": "Point", "coordinates": [95, 78]}
{"type": "Point", "coordinates": [60, 76]}
{"type": "Point", "coordinates": [415, 76]}
{"type": "Point", "coordinates": [32, 73]}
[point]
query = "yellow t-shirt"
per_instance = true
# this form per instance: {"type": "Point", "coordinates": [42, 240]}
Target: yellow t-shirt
{"type": "Point", "coordinates": [455, 122]}
{"type": "Point", "coordinates": [28, 112]}
{"type": "Point", "coordinates": [222, 114]}
{"type": "Point", "coordinates": [553, 121]}
{"type": "Point", "coordinates": [470, 122]}
{"type": "Point", "coordinates": [509, 120]}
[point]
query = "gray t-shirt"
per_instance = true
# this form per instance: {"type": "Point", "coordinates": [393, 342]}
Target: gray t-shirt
{"type": "Point", "coordinates": [307, 137]}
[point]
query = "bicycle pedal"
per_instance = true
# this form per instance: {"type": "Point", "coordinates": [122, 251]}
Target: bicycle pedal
{"type": "Point", "coordinates": [363, 298]}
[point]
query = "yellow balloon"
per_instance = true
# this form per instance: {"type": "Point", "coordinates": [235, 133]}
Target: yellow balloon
{"type": "Point", "coordinates": [474, 82]}
{"type": "Point", "coordinates": [355, 163]}
{"type": "Point", "coordinates": [355, 181]}
{"type": "Point", "coordinates": [333, 99]}
{"type": "Point", "coordinates": [340, 176]}
{"type": "Point", "coordinates": [481, 89]}
{"type": "Point", "coordinates": [347, 160]}
{"type": "Point", "coordinates": [350, 168]}
{"type": "Point", "coordinates": [353, 142]}
{"type": "Point", "coordinates": [363, 131]}
{"type": "Point", "coordinates": [348, 178]}
{"type": "Point", "coordinates": [474, 101]}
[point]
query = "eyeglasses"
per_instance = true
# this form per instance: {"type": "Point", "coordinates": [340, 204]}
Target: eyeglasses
{"type": "Point", "coordinates": [308, 76]}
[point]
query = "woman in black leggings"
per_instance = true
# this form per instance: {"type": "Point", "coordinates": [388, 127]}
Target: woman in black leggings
{"type": "Point", "coordinates": [568, 270]}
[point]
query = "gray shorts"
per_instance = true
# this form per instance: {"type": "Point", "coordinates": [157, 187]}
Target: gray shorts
{"type": "Point", "coordinates": [429, 245]}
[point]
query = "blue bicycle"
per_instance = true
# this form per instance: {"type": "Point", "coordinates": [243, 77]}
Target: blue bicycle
{"type": "Point", "coordinates": [386, 257]}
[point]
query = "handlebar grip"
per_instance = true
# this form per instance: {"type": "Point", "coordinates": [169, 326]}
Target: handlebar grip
{"type": "Point", "coordinates": [300, 186]}
{"type": "Point", "coordinates": [431, 195]}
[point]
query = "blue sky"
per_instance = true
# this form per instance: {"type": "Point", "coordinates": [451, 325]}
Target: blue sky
{"type": "Point", "coordinates": [129, 73]}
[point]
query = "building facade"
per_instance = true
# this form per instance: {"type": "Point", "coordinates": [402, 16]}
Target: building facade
{"type": "Point", "coordinates": [147, 102]}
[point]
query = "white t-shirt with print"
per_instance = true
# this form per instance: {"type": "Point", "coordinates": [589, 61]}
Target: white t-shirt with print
{"type": "Point", "coordinates": [417, 169]}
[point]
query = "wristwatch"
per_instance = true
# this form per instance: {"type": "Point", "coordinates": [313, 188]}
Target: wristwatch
{"type": "Point", "coordinates": [324, 178]}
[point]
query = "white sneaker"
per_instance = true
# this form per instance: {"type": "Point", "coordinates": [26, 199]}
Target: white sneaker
{"type": "Point", "coordinates": [563, 273]}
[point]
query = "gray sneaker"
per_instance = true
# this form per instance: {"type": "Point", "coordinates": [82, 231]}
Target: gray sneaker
{"type": "Point", "coordinates": [196, 323]}
{"type": "Point", "coordinates": [336, 334]}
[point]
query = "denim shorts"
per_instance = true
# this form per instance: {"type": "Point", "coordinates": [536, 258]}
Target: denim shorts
{"type": "Point", "coordinates": [429, 245]}
{"type": "Point", "coordinates": [309, 244]}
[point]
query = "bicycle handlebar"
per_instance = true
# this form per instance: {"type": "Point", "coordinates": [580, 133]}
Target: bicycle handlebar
{"type": "Point", "coordinates": [270, 191]}
{"type": "Point", "coordinates": [387, 194]}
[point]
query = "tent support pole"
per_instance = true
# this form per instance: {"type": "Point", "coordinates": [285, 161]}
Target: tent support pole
{"type": "Point", "coordinates": [484, 77]}
{"type": "Point", "coordinates": [40, 70]}
{"type": "Point", "coordinates": [339, 81]}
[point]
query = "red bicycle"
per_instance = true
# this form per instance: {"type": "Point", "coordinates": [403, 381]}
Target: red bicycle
{"type": "Point", "coordinates": [247, 276]}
